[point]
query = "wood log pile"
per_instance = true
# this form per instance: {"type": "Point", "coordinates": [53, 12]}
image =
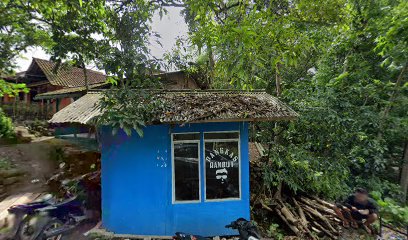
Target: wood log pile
{"type": "Point", "coordinates": [307, 217]}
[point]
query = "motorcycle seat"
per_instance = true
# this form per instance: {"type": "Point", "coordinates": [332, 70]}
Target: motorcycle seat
{"type": "Point", "coordinates": [56, 205]}
{"type": "Point", "coordinates": [48, 198]}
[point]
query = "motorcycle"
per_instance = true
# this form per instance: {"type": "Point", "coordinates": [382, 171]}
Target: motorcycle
{"type": "Point", "coordinates": [61, 218]}
{"type": "Point", "coordinates": [246, 230]}
{"type": "Point", "coordinates": [58, 219]}
{"type": "Point", "coordinates": [23, 214]}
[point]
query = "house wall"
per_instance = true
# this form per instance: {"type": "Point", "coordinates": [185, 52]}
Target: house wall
{"type": "Point", "coordinates": [137, 185]}
{"type": "Point", "coordinates": [7, 99]}
{"type": "Point", "coordinates": [177, 80]}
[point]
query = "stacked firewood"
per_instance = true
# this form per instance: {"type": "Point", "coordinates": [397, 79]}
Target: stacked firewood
{"type": "Point", "coordinates": [305, 216]}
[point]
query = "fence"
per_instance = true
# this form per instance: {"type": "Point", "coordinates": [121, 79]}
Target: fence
{"type": "Point", "coordinates": [21, 111]}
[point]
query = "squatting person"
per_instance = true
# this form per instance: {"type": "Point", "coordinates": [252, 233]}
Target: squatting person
{"type": "Point", "coordinates": [358, 208]}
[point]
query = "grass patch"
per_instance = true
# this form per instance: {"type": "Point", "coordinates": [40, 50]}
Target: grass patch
{"type": "Point", "coordinates": [5, 164]}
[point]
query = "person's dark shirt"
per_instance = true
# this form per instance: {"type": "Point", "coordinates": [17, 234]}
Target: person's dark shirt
{"type": "Point", "coordinates": [371, 205]}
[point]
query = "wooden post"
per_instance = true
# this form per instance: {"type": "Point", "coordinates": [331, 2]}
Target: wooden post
{"type": "Point", "coordinates": [57, 104]}
{"type": "Point", "coordinates": [404, 172]}
{"type": "Point", "coordinates": [46, 107]}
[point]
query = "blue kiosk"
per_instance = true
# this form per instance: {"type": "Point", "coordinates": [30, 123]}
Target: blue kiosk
{"type": "Point", "coordinates": [189, 172]}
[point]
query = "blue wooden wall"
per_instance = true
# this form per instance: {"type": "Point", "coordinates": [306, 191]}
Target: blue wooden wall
{"type": "Point", "coordinates": [137, 185]}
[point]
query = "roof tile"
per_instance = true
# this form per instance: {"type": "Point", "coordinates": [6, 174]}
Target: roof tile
{"type": "Point", "coordinates": [68, 76]}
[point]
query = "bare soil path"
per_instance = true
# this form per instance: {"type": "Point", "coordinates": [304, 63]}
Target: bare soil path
{"type": "Point", "coordinates": [35, 160]}
{"type": "Point", "coordinates": [38, 162]}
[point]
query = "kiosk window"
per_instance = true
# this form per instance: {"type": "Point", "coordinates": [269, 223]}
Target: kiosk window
{"type": "Point", "coordinates": [186, 162]}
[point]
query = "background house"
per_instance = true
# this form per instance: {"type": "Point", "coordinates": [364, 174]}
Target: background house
{"type": "Point", "coordinates": [169, 80]}
{"type": "Point", "coordinates": [43, 77]}
{"type": "Point", "coordinates": [51, 89]}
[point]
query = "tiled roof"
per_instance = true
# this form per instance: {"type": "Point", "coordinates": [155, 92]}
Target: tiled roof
{"type": "Point", "coordinates": [191, 106]}
{"type": "Point", "coordinates": [66, 92]}
{"type": "Point", "coordinates": [68, 76]}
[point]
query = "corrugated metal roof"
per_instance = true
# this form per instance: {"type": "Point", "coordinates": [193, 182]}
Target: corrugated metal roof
{"type": "Point", "coordinates": [81, 111]}
{"type": "Point", "coordinates": [192, 106]}
{"type": "Point", "coordinates": [68, 76]}
{"type": "Point", "coordinates": [61, 93]}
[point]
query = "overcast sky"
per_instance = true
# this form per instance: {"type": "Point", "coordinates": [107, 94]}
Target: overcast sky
{"type": "Point", "coordinates": [169, 27]}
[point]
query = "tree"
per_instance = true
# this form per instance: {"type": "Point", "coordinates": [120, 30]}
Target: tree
{"type": "Point", "coordinates": [392, 45]}
{"type": "Point", "coordinates": [249, 41]}
{"type": "Point", "coordinates": [18, 31]}
{"type": "Point", "coordinates": [111, 34]}
{"type": "Point", "coordinates": [333, 62]}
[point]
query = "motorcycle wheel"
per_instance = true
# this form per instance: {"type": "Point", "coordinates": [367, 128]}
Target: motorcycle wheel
{"type": "Point", "coordinates": [52, 224]}
{"type": "Point", "coordinates": [26, 228]}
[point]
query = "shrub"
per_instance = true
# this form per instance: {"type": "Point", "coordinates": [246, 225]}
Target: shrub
{"type": "Point", "coordinates": [6, 126]}
{"type": "Point", "coordinates": [390, 211]}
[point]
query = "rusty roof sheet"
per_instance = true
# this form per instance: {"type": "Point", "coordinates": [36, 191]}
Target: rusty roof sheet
{"type": "Point", "coordinates": [184, 106]}
{"type": "Point", "coordinates": [68, 76]}
{"type": "Point", "coordinates": [61, 93]}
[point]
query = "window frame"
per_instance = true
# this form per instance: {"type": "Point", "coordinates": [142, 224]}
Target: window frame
{"type": "Point", "coordinates": [173, 173]}
{"type": "Point", "coordinates": [238, 140]}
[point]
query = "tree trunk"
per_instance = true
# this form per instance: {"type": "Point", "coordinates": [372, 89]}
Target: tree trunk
{"type": "Point", "coordinates": [396, 90]}
{"type": "Point", "coordinates": [404, 172]}
{"type": "Point", "coordinates": [394, 94]}
{"type": "Point", "coordinates": [278, 80]}
{"type": "Point", "coordinates": [85, 76]}
{"type": "Point", "coordinates": [278, 84]}
{"type": "Point", "coordinates": [211, 64]}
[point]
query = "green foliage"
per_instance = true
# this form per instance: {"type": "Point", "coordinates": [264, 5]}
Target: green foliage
{"type": "Point", "coordinates": [18, 30]}
{"type": "Point", "coordinates": [390, 211]}
{"type": "Point", "coordinates": [11, 89]}
{"type": "Point", "coordinates": [340, 64]}
{"type": "Point", "coordinates": [249, 41]}
{"type": "Point", "coordinates": [57, 154]}
{"type": "Point", "coordinates": [113, 35]}
{"type": "Point", "coordinates": [6, 126]}
{"type": "Point", "coordinates": [5, 164]}
{"type": "Point", "coordinates": [393, 42]}
{"type": "Point", "coordinates": [127, 59]}
{"type": "Point", "coordinates": [274, 232]}
{"type": "Point", "coordinates": [380, 185]}
{"type": "Point", "coordinates": [304, 171]}
{"type": "Point", "coordinates": [181, 58]}
{"type": "Point", "coordinates": [126, 109]}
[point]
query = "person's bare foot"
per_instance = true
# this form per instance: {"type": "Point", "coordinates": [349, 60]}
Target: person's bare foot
{"type": "Point", "coordinates": [368, 229]}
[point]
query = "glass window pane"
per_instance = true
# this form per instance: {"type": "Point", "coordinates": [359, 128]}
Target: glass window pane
{"type": "Point", "coordinates": [186, 171]}
{"type": "Point", "coordinates": [222, 170]}
{"type": "Point", "coordinates": [186, 136]}
{"type": "Point", "coordinates": [221, 135]}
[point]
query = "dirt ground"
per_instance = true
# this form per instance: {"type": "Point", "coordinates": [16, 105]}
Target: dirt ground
{"type": "Point", "coordinates": [387, 234]}
{"type": "Point", "coordinates": [360, 234]}
{"type": "Point", "coordinates": [35, 160]}
{"type": "Point", "coordinates": [38, 163]}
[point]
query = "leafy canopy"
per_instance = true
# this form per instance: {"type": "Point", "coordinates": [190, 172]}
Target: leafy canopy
{"type": "Point", "coordinates": [341, 64]}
